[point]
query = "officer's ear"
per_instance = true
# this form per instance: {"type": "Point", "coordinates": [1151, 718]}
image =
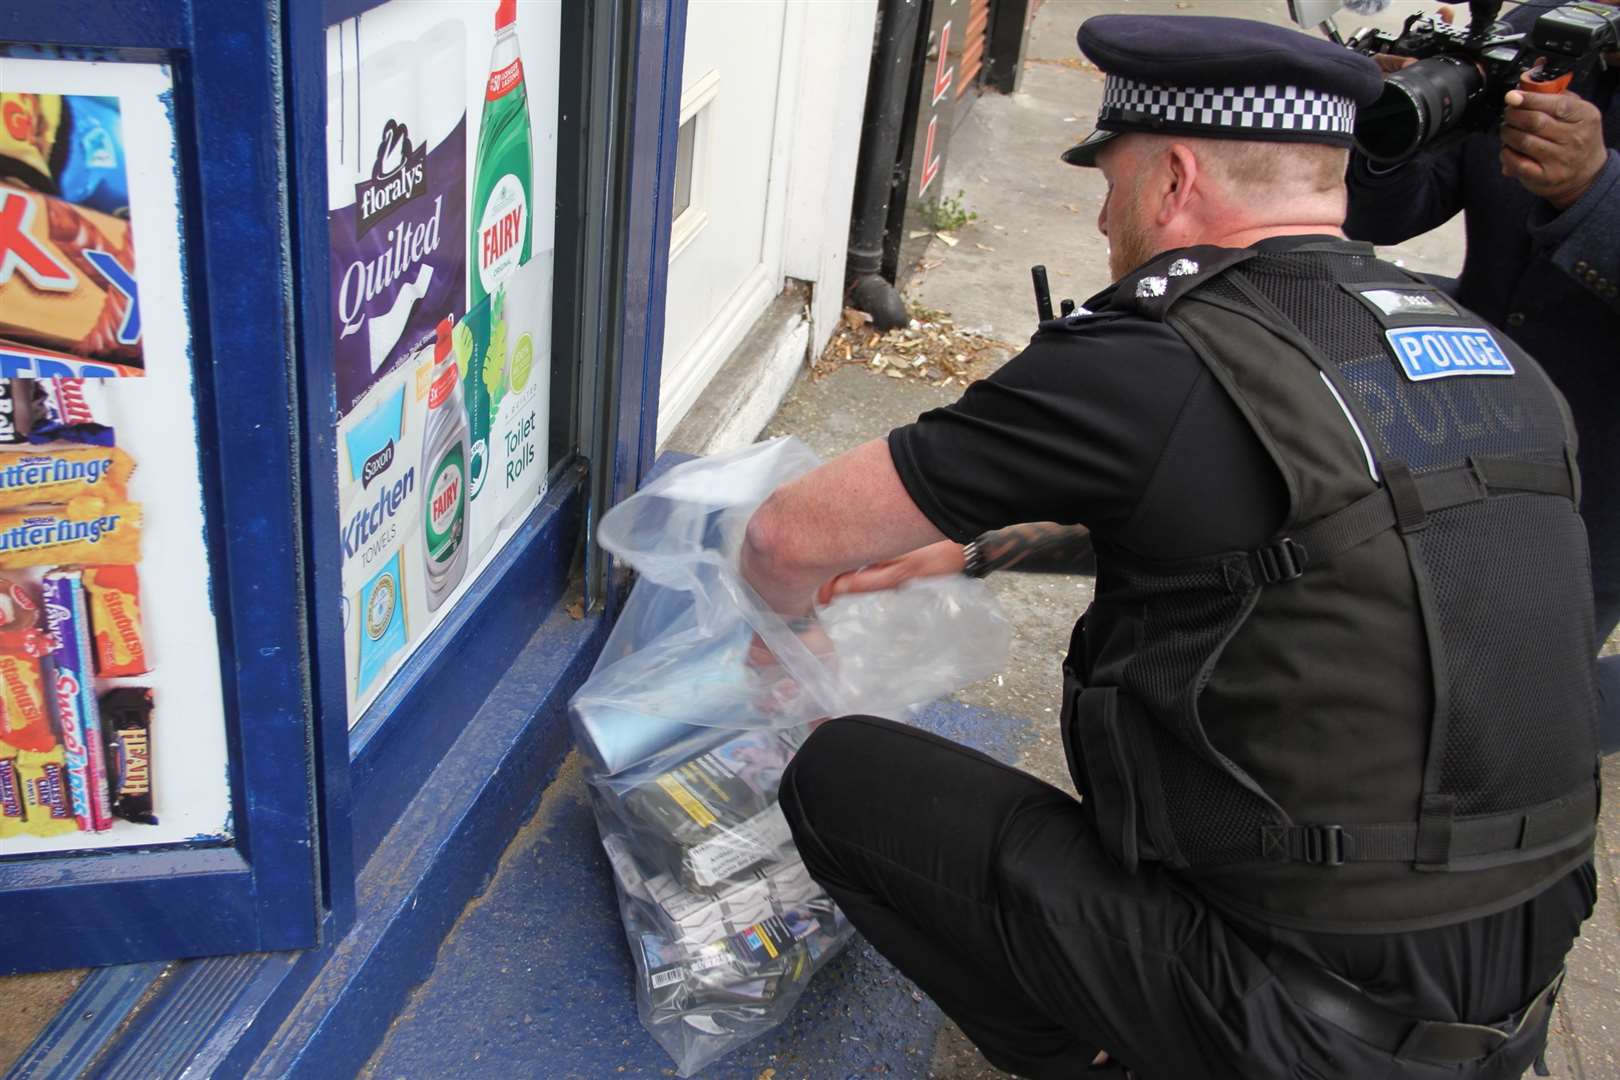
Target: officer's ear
{"type": "Point", "coordinates": [1183, 165]}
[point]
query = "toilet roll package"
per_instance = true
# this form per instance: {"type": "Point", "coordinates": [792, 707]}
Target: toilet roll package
{"type": "Point", "coordinates": [686, 733]}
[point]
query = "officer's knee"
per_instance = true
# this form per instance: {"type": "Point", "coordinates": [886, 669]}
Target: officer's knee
{"type": "Point", "coordinates": [819, 774]}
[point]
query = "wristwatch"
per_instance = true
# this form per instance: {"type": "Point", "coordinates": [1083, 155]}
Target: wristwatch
{"type": "Point", "coordinates": [973, 560]}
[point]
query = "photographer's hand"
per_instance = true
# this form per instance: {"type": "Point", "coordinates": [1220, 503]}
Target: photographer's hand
{"type": "Point", "coordinates": [1552, 144]}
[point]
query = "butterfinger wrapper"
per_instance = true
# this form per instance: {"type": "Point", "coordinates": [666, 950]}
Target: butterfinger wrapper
{"type": "Point", "coordinates": [61, 474]}
{"type": "Point", "coordinates": [88, 531]}
{"type": "Point", "coordinates": [71, 277]}
{"type": "Point", "coordinates": [47, 801]}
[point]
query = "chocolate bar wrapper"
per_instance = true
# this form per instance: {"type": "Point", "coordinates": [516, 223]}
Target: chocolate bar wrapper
{"type": "Point", "coordinates": [47, 793]}
{"type": "Point", "coordinates": [70, 410]}
{"type": "Point", "coordinates": [87, 531]}
{"type": "Point", "coordinates": [24, 720]}
{"type": "Point", "coordinates": [11, 410]}
{"type": "Point", "coordinates": [12, 820]}
{"type": "Point", "coordinates": [60, 474]}
{"type": "Point", "coordinates": [114, 594]}
{"type": "Point", "coordinates": [28, 138]}
{"type": "Point", "coordinates": [77, 716]}
{"type": "Point", "coordinates": [89, 159]}
{"type": "Point", "coordinates": [126, 717]}
{"type": "Point", "coordinates": [79, 295]}
{"type": "Point", "coordinates": [23, 361]}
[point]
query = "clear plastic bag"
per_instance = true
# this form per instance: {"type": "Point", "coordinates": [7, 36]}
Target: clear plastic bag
{"type": "Point", "coordinates": [685, 744]}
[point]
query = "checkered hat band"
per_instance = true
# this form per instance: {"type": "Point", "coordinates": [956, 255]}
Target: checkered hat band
{"type": "Point", "coordinates": [1238, 108]}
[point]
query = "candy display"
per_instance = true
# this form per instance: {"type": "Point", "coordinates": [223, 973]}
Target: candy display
{"type": "Point", "coordinates": [114, 594]}
{"type": "Point", "coordinates": [85, 748]}
{"type": "Point", "coordinates": [109, 603]}
{"type": "Point", "coordinates": [126, 714]}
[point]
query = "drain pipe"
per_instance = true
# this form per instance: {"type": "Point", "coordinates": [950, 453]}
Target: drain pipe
{"type": "Point", "coordinates": [869, 290]}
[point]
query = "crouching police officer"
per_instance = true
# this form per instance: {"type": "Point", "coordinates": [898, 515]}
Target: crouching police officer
{"type": "Point", "coordinates": [1331, 712]}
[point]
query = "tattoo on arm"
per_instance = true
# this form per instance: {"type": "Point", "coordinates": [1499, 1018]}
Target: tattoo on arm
{"type": "Point", "coordinates": [1039, 548]}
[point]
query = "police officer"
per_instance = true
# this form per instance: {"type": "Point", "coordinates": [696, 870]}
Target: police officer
{"type": "Point", "coordinates": [1331, 712]}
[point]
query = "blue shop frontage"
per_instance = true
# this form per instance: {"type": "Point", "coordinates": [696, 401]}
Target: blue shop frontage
{"type": "Point", "coordinates": [328, 328]}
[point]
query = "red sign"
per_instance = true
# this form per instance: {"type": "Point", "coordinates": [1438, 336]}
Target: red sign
{"type": "Point", "coordinates": [943, 76]}
{"type": "Point", "coordinates": [931, 160]}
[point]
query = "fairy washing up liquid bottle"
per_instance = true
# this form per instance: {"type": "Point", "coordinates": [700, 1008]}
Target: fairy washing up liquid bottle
{"type": "Point", "coordinates": [444, 469]}
{"type": "Point", "coordinates": [503, 184]}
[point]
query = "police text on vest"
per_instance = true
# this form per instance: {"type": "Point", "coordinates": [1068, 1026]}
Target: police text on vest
{"type": "Point", "coordinates": [1434, 352]}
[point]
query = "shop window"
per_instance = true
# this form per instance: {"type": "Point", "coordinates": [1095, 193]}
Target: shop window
{"type": "Point", "coordinates": [690, 212]}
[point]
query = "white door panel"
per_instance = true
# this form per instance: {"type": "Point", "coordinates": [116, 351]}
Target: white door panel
{"type": "Point", "coordinates": [725, 271]}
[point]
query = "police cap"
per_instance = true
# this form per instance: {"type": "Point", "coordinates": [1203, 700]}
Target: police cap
{"type": "Point", "coordinates": [1222, 78]}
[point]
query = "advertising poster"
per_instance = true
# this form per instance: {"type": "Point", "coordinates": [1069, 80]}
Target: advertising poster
{"type": "Point", "coordinates": [442, 155]}
{"type": "Point", "coordinates": [111, 710]}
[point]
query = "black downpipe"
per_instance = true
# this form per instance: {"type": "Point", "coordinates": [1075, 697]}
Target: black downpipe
{"type": "Point", "coordinates": [886, 92]}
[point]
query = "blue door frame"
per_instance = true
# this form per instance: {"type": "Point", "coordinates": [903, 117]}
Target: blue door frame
{"type": "Point", "coordinates": [312, 800]}
{"type": "Point", "coordinates": [258, 892]}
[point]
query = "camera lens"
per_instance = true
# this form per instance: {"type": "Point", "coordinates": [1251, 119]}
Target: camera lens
{"type": "Point", "coordinates": [1420, 102]}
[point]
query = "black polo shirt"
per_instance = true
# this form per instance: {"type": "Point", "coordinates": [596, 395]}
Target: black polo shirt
{"type": "Point", "coordinates": [1111, 421]}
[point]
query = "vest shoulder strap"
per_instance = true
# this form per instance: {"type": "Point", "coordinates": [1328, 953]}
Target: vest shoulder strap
{"type": "Point", "coordinates": [1404, 502]}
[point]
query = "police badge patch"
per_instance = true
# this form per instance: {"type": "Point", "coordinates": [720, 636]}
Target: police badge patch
{"type": "Point", "coordinates": [1435, 352]}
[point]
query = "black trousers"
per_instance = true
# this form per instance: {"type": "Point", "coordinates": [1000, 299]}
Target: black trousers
{"type": "Point", "coordinates": [989, 889]}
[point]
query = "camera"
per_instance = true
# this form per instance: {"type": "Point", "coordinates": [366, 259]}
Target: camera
{"type": "Point", "coordinates": [1462, 73]}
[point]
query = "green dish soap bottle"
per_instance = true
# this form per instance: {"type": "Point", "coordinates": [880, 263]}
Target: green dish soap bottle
{"type": "Point", "coordinates": [503, 174]}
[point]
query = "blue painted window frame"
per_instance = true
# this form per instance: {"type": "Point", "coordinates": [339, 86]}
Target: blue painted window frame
{"type": "Point", "coordinates": [261, 890]}
{"type": "Point", "coordinates": [251, 111]}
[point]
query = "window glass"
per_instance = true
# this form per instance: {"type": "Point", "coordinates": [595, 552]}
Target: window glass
{"type": "Point", "coordinates": [685, 143]}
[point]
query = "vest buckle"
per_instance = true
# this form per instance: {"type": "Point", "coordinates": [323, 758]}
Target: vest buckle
{"type": "Point", "coordinates": [1283, 561]}
{"type": "Point", "coordinates": [1324, 845]}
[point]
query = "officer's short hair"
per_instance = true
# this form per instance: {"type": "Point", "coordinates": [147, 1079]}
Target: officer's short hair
{"type": "Point", "coordinates": [1309, 168]}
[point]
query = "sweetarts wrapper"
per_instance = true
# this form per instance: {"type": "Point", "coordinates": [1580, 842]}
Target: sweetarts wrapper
{"type": "Point", "coordinates": [74, 701]}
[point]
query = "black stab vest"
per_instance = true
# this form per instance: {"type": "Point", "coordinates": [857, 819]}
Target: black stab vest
{"type": "Point", "coordinates": [1385, 718]}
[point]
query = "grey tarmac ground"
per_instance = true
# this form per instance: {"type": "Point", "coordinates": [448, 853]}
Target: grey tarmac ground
{"type": "Point", "coordinates": [1034, 209]}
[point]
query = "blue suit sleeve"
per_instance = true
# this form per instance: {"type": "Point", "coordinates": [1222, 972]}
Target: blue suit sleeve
{"type": "Point", "coordinates": [1584, 240]}
{"type": "Point", "coordinates": [1392, 206]}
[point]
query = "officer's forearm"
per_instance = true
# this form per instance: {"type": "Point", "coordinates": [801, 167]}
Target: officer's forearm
{"type": "Point", "coordinates": [1041, 547]}
{"type": "Point", "coordinates": [853, 511]}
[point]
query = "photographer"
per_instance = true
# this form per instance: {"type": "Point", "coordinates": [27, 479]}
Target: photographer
{"type": "Point", "coordinates": [1541, 205]}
